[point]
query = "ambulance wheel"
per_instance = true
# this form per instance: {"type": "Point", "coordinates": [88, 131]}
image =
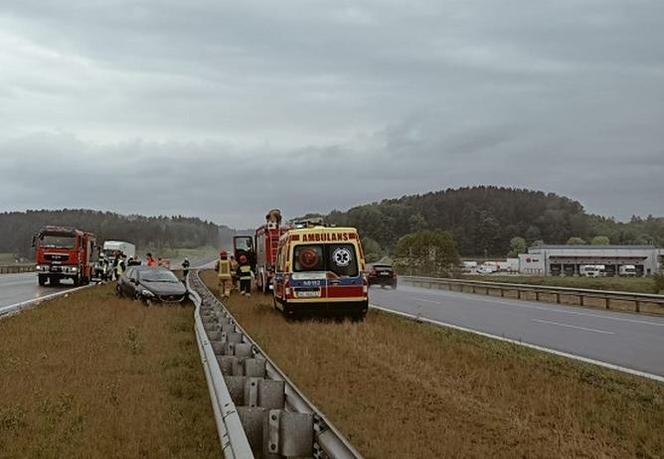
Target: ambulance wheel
{"type": "Point", "coordinates": [54, 281]}
{"type": "Point", "coordinates": [77, 280]}
{"type": "Point", "coordinates": [42, 278]}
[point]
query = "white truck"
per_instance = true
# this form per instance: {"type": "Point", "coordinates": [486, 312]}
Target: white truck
{"type": "Point", "coordinates": [127, 248]}
{"type": "Point", "coordinates": [627, 270]}
{"type": "Point", "coordinates": [592, 270]}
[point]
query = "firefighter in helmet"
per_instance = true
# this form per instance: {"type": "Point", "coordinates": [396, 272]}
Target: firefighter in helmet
{"type": "Point", "coordinates": [224, 275]}
{"type": "Point", "coordinates": [244, 273]}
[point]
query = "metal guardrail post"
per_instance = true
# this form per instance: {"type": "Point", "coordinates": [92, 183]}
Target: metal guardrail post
{"type": "Point", "coordinates": [329, 443]}
{"type": "Point", "coordinates": [234, 442]}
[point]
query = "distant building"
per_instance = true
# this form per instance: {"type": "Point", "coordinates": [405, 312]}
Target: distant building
{"type": "Point", "coordinates": [567, 260]}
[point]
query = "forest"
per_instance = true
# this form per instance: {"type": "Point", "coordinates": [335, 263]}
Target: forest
{"type": "Point", "coordinates": [483, 220]}
{"type": "Point", "coordinates": [17, 229]}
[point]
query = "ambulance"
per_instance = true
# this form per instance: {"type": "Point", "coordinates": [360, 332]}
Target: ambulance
{"type": "Point", "coordinates": [320, 270]}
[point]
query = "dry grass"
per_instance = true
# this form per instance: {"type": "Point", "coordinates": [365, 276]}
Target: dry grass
{"type": "Point", "coordinates": [401, 389]}
{"type": "Point", "coordinates": [94, 376]}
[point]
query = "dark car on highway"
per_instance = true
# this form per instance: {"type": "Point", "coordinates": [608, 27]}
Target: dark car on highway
{"type": "Point", "coordinates": [383, 275]}
{"type": "Point", "coordinates": [151, 285]}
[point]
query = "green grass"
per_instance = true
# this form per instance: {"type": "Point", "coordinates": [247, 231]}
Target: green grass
{"type": "Point", "coordinates": [177, 255]}
{"type": "Point", "coordinates": [627, 284]}
{"type": "Point", "coordinates": [6, 258]}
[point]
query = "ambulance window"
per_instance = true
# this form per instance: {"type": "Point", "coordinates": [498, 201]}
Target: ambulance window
{"type": "Point", "coordinates": [342, 259]}
{"type": "Point", "coordinates": [309, 258]}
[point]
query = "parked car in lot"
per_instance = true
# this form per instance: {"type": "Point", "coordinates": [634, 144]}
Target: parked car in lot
{"type": "Point", "coordinates": [151, 285]}
{"type": "Point", "coordinates": [383, 275]}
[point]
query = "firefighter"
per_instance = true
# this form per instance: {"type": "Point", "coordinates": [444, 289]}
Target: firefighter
{"type": "Point", "coordinates": [151, 262]}
{"type": "Point", "coordinates": [224, 274]}
{"type": "Point", "coordinates": [244, 274]}
{"type": "Point", "coordinates": [120, 265]}
{"type": "Point", "coordinates": [185, 268]}
{"type": "Point", "coordinates": [234, 265]}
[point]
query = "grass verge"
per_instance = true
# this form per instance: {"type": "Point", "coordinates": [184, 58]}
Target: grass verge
{"type": "Point", "coordinates": [91, 375]}
{"type": "Point", "coordinates": [623, 284]}
{"type": "Point", "coordinates": [638, 285]}
{"type": "Point", "coordinates": [397, 388]}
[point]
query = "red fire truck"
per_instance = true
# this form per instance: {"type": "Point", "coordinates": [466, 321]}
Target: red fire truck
{"type": "Point", "coordinates": [64, 253]}
{"type": "Point", "coordinates": [267, 244]}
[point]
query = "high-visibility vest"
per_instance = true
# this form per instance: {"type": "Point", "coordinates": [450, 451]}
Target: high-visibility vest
{"type": "Point", "coordinates": [120, 268]}
{"type": "Point", "coordinates": [245, 272]}
{"type": "Point", "coordinates": [224, 269]}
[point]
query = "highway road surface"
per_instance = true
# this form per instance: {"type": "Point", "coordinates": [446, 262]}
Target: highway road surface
{"type": "Point", "coordinates": [632, 341]}
{"type": "Point", "coordinates": [16, 288]}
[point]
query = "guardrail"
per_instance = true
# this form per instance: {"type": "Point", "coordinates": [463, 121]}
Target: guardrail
{"type": "Point", "coordinates": [502, 287]}
{"type": "Point", "coordinates": [17, 268]}
{"type": "Point", "coordinates": [275, 418]}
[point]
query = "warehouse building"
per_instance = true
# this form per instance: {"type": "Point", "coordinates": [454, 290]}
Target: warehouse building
{"type": "Point", "coordinates": [570, 260]}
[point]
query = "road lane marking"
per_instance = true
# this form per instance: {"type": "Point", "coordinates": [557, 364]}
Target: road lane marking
{"type": "Point", "coordinates": [568, 355]}
{"type": "Point", "coordinates": [594, 330]}
{"type": "Point", "coordinates": [551, 309]}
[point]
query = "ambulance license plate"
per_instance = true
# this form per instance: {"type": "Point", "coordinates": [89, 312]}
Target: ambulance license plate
{"type": "Point", "coordinates": [308, 294]}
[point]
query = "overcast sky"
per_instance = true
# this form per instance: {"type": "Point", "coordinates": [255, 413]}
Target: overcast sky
{"type": "Point", "coordinates": [224, 109]}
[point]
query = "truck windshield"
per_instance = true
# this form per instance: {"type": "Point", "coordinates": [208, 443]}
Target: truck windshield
{"type": "Point", "coordinates": [58, 241]}
{"type": "Point", "coordinates": [340, 259]}
{"type": "Point", "coordinates": [244, 243]}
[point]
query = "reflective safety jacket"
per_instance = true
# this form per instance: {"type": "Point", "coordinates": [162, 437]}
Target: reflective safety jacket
{"type": "Point", "coordinates": [119, 269]}
{"type": "Point", "coordinates": [244, 272]}
{"type": "Point", "coordinates": [224, 269]}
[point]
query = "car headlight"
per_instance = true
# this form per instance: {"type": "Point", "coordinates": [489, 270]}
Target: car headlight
{"type": "Point", "coordinates": [146, 292]}
{"type": "Point", "coordinates": [74, 269]}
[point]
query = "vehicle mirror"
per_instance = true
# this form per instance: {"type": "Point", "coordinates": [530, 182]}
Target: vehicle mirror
{"type": "Point", "coordinates": [34, 240]}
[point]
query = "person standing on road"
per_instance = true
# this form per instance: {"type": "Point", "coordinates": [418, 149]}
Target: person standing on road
{"type": "Point", "coordinates": [151, 262]}
{"type": "Point", "coordinates": [234, 266]}
{"type": "Point", "coordinates": [224, 274]}
{"type": "Point", "coordinates": [120, 265]}
{"type": "Point", "coordinates": [244, 274]}
{"type": "Point", "coordinates": [185, 268]}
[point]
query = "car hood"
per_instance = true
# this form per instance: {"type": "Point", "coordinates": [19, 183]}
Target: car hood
{"type": "Point", "coordinates": [165, 288]}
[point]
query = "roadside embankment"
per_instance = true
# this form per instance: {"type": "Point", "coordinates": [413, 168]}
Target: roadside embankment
{"type": "Point", "coordinates": [397, 388]}
{"type": "Point", "coordinates": [91, 375]}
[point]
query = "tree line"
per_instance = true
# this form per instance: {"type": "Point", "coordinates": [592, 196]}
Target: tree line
{"type": "Point", "coordinates": [484, 220]}
{"type": "Point", "coordinates": [17, 229]}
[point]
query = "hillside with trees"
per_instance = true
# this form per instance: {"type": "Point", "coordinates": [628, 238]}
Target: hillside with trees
{"type": "Point", "coordinates": [17, 229]}
{"type": "Point", "coordinates": [484, 221]}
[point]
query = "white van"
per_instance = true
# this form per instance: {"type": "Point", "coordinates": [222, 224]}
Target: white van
{"type": "Point", "coordinates": [627, 270]}
{"type": "Point", "coordinates": [592, 270]}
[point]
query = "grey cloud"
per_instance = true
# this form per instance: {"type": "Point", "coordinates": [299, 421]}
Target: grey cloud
{"type": "Point", "coordinates": [325, 104]}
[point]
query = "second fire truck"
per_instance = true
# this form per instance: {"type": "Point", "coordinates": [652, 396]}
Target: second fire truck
{"type": "Point", "coordinates": [267, 244]}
